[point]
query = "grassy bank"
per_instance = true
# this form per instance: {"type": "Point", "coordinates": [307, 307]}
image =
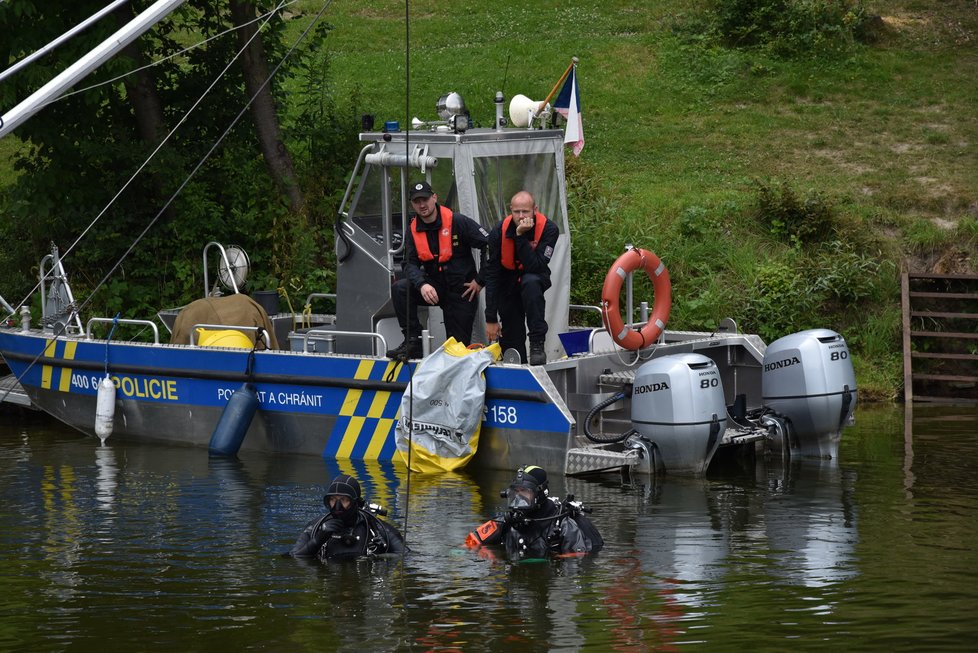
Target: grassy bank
{"type": "Point", "coordinates": [684, 137]}
{"type": "Point", "coordinates": [783, 191]}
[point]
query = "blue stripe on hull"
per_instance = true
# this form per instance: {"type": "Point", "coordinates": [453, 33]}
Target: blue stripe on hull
{"type": "Point", "coordinates": [363, 418]}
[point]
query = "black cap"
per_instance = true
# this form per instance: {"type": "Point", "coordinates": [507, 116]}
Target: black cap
{"type": "Point", "coordinates": [344, 486]}
{"type": "Point", "coordinates": [532, 477]}
{"type": "Point", "coordinates": [421, 189]}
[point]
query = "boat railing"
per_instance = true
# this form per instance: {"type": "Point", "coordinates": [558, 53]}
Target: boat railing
{"type": "Point", "coordinates": [320, 295]}
{"type": "Point", "coordinates": [221, 327]}
{"type": "Point", "coordinates": [7, 307]}
{"type": "Point", "coordinates": [584, 307]}
{"type": "Point", "coordinates": [590, 338]}
{"type": "Point", "coordinates": [342, 213]}
{"type": "Point", "coordinates": [593, 331]}
{"type": "Point", "coordinates": [329, 338]}
{"type": "Point", "coordinates": [111, 320]}
{"type": "Point", "coordinates": [303, 319]}
{"type": "Point", "coordinates": [227, 266]}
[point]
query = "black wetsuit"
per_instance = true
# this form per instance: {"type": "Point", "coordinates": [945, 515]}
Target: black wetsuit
{"type": "Point", "coordinates": [550, 530]}
{"type": "Point", "coordinates": [330, 538]}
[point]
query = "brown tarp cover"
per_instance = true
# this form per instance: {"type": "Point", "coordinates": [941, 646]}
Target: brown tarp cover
{"type": "Point", "coordinates": [233, 310]}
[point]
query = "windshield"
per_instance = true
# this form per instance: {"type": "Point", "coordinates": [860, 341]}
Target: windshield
{"type": "Point", "coordinates": [499, 178]}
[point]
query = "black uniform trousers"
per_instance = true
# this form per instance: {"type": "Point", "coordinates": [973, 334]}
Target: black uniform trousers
{"type": "Point", "coordinates": [522, 311]}
{"type": "Point", "coordinates": [459, 312]}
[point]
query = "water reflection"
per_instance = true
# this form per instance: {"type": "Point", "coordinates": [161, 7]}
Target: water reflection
{"type": "Point", "coordinates": [185, 551]}
{"type": "Point", "coordinates": [774, 527]}
{"type": "Point", "coordinates": [811, 525]}
{"type": "Point", "coordinates": [106, 479]}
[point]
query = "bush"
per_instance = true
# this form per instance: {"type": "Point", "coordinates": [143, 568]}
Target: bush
{"type": "Point", "coordinates": [792, 219]}
{"type": "Point", "coordinates": [791, 27]}
{"type": "Point", "coordinates": [849, 277]}
{"type": "Point", "coordinates": [780, 301]}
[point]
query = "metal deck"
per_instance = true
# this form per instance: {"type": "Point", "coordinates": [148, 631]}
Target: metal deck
{"type": "Point", "coordinates": [12, 393]}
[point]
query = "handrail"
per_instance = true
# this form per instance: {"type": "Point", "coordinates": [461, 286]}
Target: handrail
{"type": "Point", "coordinates": [227, 265]}
{"type": "Point", "coordinates": [110, 320]}
{"type": "Point", "coordinates": [235, 327]}
{"type": "Point", "coordinates": [596, 309]}
{"type": "Point", "coordinates": [590, 338]}
{"type": "Point", "coordinates": [353, 177]}
{"type": "Point", "coordinates": [585, 307]}
{"type": "Point", "coordinates": [319, 295]}
{"type": "Point", "coordinates": [325, 333]}
{"type": "Point", "coordinates": [7, 307]}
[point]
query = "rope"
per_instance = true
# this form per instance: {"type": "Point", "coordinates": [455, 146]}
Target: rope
{"type": "Point", "coordinates": [179, 190]}
{"type": "Point", "coordinates": [115, 323]}
{"type": "Point", "coordinates": [407, 290]}
{"type": "Point", "coordinates": [165, 139]}
{"type": "Point", "coordinates": [250, 365]}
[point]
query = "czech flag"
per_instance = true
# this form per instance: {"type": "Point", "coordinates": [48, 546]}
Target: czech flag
{"type": "Point", "coordinates": [568, 104]}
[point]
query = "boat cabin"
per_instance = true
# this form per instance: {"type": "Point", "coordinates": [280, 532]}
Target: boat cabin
{"type": "Point", "coordinates": [474, 172]}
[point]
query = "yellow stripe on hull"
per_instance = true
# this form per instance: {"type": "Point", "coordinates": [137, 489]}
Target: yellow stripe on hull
{"type": "Point", "coordinates": [373, 425]}
{"type": "Point", "coordinates": [70, 347]}
{"type": "Point", "coordinates": [46, 370]}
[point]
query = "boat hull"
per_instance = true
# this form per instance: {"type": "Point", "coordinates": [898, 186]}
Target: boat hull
{"type": "Point", "coordinates": [335, 406]}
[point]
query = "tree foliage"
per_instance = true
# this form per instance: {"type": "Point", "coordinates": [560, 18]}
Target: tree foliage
{"type": "Point", "coordinates": [79, 151]}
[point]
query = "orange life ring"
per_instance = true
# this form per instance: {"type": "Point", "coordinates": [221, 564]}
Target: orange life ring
{"type": "Point", "coordinates": [628, 262]}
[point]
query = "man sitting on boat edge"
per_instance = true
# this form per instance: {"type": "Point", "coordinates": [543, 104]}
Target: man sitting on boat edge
{"type": "Point", "coordinates": [517, 274]}
{"type": "Point", "coordinates": [350, 529]}
{"type": "Point", "coordinates": [439, 270]}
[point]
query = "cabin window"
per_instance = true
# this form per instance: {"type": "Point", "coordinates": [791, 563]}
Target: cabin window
{"type": "Point", "coordinates": [499, 178]}
{"type": "Point", "coordinates": [367, 210]}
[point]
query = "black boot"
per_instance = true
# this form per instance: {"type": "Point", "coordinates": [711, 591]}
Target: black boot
{"type": "Point", "coordinates": [407, 350]}
{"type": "Point", "coordinates": [537, 355]}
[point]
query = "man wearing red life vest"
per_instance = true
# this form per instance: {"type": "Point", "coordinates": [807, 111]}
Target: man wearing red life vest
{"type": "Point", "coordinates": [517, 272]}
{"type": "Point", "coordinates": [439, 270]}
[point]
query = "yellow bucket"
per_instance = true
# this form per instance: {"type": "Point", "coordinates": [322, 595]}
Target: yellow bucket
{"type": "Point", "coordinates": [223, 338]}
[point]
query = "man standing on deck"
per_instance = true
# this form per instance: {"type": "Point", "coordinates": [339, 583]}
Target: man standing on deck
{"type": "Point", "coordinates": [439, 270]}
{"type": "Point", "coordinates": [517, 273]}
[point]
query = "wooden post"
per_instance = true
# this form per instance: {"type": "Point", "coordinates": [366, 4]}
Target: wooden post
{"type": "Point", "coordinates": [907, 362]}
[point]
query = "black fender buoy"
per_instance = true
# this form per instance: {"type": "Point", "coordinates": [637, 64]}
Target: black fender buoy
{"type": "Point", "coordinates": [233, 426]}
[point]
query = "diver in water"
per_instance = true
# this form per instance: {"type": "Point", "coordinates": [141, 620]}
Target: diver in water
{"type": "Point", "coordinates": [536, 525]}
{"type": "Point", "coordinates": [351, 528]}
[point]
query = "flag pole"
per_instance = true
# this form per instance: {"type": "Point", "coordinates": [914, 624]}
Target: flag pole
{"type": "Point", "coordinates": [558, 84]}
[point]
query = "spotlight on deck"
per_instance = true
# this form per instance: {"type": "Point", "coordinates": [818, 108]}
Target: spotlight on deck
{"type": "Point", "coordinates": [454, 116]}
{"type": "Point", "coordinates": [450, 105]}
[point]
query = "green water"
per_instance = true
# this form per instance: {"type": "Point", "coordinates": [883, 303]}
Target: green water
{"type": "Point", "coordinates": [136, 547]}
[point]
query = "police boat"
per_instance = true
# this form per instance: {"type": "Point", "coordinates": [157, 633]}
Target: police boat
{"type": "Point", "coordinates": [629, 395]}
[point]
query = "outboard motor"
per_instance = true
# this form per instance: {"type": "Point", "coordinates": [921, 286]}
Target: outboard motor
{"type": "Point", "coordinates": [677, 403]}
{"type": "Point", "coordinates": [808, 378]}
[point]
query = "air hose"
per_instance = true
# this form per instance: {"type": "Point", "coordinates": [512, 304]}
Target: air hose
{"type": "Point", "coordinates": [597, 409]}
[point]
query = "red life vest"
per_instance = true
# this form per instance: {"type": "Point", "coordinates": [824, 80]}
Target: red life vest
{"type": "Point", "coordinates": [444, 238]}
{"type": "Point", "coordinates": [507, 246]}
